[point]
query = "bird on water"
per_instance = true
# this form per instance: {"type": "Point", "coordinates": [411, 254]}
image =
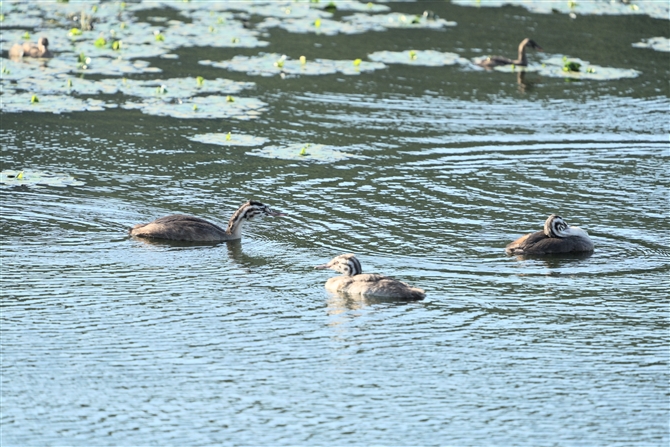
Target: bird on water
{"type": "Point", "coordinates": [556, 238]}
{"type": "Point", "coordinates": [354, 282]}
{"type": "Point", "coordinates": [30, 49]}
{"type": "Point", "coordinates": [180, 227]}
{"type": "Point", "coordinates": [521, 60]}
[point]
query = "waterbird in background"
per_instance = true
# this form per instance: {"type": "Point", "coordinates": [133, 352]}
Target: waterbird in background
{"type": "Point", "coordinates": [521, 60]}
{"type": "Point", "coordinates": [180, 227]}
{"type": "Point", "coordinates": [354, 282]}
{"type": "Point", "coordinates": [558, 237]}
{"type": "Point", "coordinates": [30, 49]}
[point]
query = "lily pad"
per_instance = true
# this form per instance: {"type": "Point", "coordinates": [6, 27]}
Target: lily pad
{"type": "Point", "coordinates": [398, 20]}
{"type": "Point", "coordinates": [37, 179]}
{"type": "Point", "coordinates": [652, 8]}
{"type": "Point", "coordinates": [316, 153]}
{"type": "Point", "coordinates": [285, 9]}
{"type": "Point", "coordinates": [179, 87]}
{"type": "Point", "coordinates": [200, 107]}
{"type": "Point", "coordinates": [428, 58]}
{"type": "Point", "coordinates": [655, 43]}
{"type": "Point", "coordinates": [229, 139]}
{"type": "Point", "coordinates": [274, 64]}
{"type": "Point", "coordinates": [28, 102]}
{"type": "Point", "coordinates": [348, 5]}
{"type": "Point", "coordinates": [554, 67]}
{"type": "Point", "coordinates": [324, 27]}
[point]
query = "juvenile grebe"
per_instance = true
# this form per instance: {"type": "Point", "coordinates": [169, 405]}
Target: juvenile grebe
{"type": "Point", "coordinates": [521, 60]}
{"type": "Point", "coordinates": [354, 282]}
{"type": "Point", "coordinates": [29, 49]}
{"type": "Point", "coordinates": [180, 227]}
{"type": "Point", "coordinates": [557, 237]}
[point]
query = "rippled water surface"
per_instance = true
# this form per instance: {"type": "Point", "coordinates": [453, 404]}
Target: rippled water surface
{"type": "Point", "coordinates": [425, 172]}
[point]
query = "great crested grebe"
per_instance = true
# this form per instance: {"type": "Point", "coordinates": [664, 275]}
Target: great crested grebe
{"type": "Point", "coordinates": [557, 237]}
{"type": "Point", "coordinates": [354, 282]}
{"type": "Point", "coordinates": [30, 49]}
{"type": "Point", "coordinates": [521, 60]}
{"type": "Point", "coordinates": [180, 227]}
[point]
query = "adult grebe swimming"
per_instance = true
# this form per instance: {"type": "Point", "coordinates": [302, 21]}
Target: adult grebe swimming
{"type": "Point", "coordinates": [521, 60]}
{"type": "Point", "coordinates": [354, 282]}
{"type": "Point", "coordinates": [557, 237]}
{"type": "Point", "coordinates": [180, 227]}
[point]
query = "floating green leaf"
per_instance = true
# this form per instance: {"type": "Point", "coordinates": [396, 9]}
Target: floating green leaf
{"type": "Point", "coordinates": [37, 179]}
{"type": "Point", "coordinates": [571, 66]}
{"type": "Point", "coordinates": [429, 58]}
{"type": "Point", "coordinates": [264, 65]}
{"type": "Point", "coordinates": [226, 139]}
{"type": "Point", "coordinates": [318, 153]}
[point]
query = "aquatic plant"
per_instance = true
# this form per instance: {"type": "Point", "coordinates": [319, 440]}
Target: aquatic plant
{"type": "Point", "coordinates": [100, 42]}
{"type": "Point", "coordinates": [230, 98]}
{"type": "Point", "coordinates": [83, 61]}
{"type": "Point", "coordinates": [428, 58]}
{"type": "Point", "coordinates": [570, 66]}
{"type": "Point", "coordinates": [200, 81]}
{"type": "Point", "coordinates": [34, 99]}
{"type": "Point", "coordinates": [357, 62]}
{"type": "Point", "coordinates": [303, 151]}
{"type": "Point", "coordinates": [36, 179]}
{"type": "Point", "coordinates": [226, 139]}
{"type": "Point", "coordinates": [318, 153]}
{"type": "Point", "coordinates": [26, 35]}
{"type": "Point", "coordinates": [74, 32]}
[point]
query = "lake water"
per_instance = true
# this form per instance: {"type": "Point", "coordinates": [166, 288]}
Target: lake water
{"type": "Point", "coordinates": [425, 172]}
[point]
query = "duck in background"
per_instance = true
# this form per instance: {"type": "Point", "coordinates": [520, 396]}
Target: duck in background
{"type": "Point", "coordinates": [521, 60]}
{"type": "Point", "coordinates": [30, 49]}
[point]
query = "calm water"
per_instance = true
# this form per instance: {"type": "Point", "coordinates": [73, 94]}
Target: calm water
{"type": "Point", "coordinates": [108, 340]}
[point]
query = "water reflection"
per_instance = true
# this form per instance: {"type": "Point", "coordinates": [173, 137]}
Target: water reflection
{"type": "Point", "coordinates": [340, 306]}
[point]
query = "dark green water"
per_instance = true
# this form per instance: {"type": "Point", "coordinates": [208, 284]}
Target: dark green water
{"type": "Point", "coordinates": [426, 173]}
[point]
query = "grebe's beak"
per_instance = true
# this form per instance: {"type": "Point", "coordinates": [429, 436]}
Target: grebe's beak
{"type": "Point", "coordinates": [274, 213]}
{"type": "Point", "coordinates": [323, 266]}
